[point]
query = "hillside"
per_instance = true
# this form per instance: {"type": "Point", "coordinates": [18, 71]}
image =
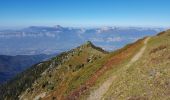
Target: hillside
{"type": "Point", "coordinates": [138, 71]}
{"type": "Point", "coordinates": [148, 77]}
{"type": "Point", "coordinates": [46, 75]}
{"type": "Point", "coordinates": [12, 65]}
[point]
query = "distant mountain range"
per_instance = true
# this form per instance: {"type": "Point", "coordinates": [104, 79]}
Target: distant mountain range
{"type": "Point", "coordinates": [12, 65]}
{"type": "Point", "coordinates": [49, 40]}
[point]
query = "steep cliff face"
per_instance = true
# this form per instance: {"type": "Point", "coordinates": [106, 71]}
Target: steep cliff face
{"type": "Point", "coordinates": [138, 71]}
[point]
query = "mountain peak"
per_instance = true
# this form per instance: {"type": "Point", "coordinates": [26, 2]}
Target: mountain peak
{"type": "Point", "coordinates": [89, 43]}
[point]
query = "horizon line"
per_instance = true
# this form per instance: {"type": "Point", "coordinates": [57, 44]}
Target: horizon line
{"type": "Point", "coordinates": [85, 26]}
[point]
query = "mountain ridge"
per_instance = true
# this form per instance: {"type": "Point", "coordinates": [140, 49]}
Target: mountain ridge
{"type": "Point", "coordinates": [33, 71]}
{"type": "Point", "coordinates": [139, 70]}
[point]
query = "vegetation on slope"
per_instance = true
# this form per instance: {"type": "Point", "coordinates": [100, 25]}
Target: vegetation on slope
{"type": "Point", "coordinates": [107, 63]}
{"type": "Point", "coordinates": [148, 78]}
{"type": "Point", "coordinates": [12, 65]}
{"type": "Point", "coordinates": [13, 88]}
{"type": "Point", "coordinates": [48, 76]}
{"type": "Point", "coordinates": [77, 73]}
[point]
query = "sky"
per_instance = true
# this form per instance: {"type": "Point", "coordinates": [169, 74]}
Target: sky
{"type": "Point", "coordinates": [84, 13]}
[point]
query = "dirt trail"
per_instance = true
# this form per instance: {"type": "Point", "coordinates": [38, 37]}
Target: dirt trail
{"type": "Point", "coordinates": [98, 94]}
{"type": "Point", "coordinates": [139, 54]}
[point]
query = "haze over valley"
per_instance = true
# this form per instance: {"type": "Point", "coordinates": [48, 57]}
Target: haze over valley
{"type": "Point", "coordinates": [56, 39]}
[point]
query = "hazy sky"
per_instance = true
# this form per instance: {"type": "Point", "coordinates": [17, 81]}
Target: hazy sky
{"type": "Point", "coordinates": [21, 13]}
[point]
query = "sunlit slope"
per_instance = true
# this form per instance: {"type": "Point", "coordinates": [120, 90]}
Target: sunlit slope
{"type": "Point", "coordinates": [146, 78]}
{"type": "Point", "coordinates": [149, 76]}
{"type": "Point", "coordinates": [57, 79]}
{"type": "Point", "coordinates": [65, 83]}
{"type": "Point", "coordinates": [111, 63]}
{"type": "Point", "coordinates": [138, 71]}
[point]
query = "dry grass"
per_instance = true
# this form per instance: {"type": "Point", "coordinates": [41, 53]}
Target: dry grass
{"type": "Point", "coordinates": [146, 78]}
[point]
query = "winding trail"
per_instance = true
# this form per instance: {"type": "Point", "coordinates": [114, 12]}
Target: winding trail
{"type": "Point", "coordinates": [139, 54]}
{"type": "Point", "coordinates": [98, 93]}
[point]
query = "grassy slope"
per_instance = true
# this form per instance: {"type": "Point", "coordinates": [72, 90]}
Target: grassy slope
{"type": "Point", "coordinates": [71, 81]}
{"type": "Point", "coordinates": [144, 79]}
{"type": "Point", "coordinates": [98, 69]}
{"type": "Point", "coordinates": [149, 77]}
{"type": "Point", "coordinates": [55, 81]}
